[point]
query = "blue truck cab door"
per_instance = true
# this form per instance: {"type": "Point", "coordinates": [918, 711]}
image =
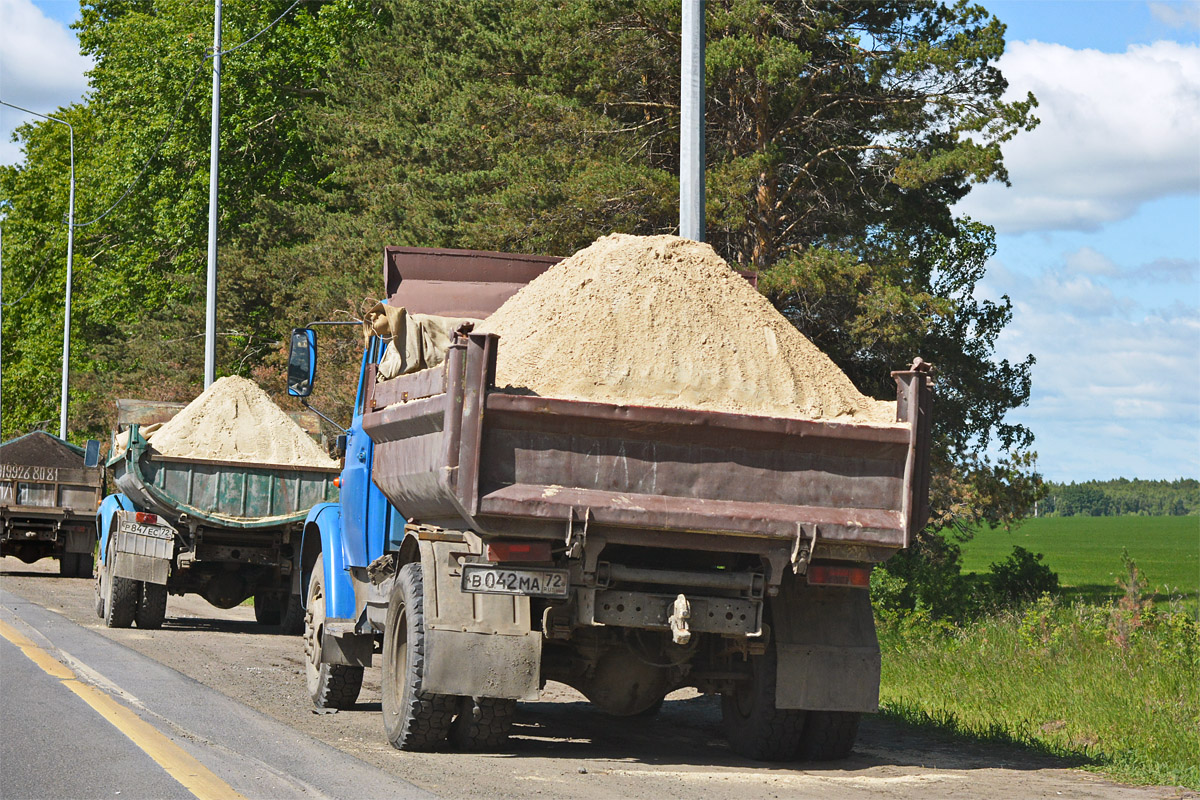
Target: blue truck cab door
{"type": "Point", "coordinates": [365, 510]}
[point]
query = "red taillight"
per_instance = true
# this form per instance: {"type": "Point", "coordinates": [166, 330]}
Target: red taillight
{"type": "Point", "coordinates": [518, 551]}
{"type": "Point", "coordinates": [828, 575]}
{"type": "Point", "coordinates": [338, 481]}
{"type": "Point", "coordinates": [146, 518]}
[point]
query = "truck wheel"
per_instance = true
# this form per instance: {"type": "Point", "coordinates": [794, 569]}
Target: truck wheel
{"type": "Point", "coordinates": [152, 606]}
{"type": "Point", "coordinates": [828, 735]}
{"type": "Point", "coordinates": [329, 685]}
{"type": "Point", "coordinates": [413, 720]}
{"type": "Point", "coordinates": [482, 723]}
{"type": "Point", "coordinates": [754, 727]}
{"type": "Point", "coordinates": [98, 585]}
{"type": "Point", "coordinates": [68, 565]}
{"type": "Point", "coordinates": [121, 596]}
{"type": "Point", "coordinates": [85, 563]}
{"type": "Point", "coordinates": [266, 609]}
{"type": "Point", "coordinates": [292, 621]}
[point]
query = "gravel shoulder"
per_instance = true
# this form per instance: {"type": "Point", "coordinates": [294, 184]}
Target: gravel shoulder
{"type": "Point", "coordinates": [561, 746]}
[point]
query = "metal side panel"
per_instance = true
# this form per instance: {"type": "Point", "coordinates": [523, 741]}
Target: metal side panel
{"type": "Point", "coordinates": [476, 645]}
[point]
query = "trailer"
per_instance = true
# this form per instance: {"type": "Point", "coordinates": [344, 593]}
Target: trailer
{"type": "Point", "coordinates": [486, 542]}
{"type": "Point", "coordinates": [49, 492]}
{"type": "Point", "coordinates": [226, 531]}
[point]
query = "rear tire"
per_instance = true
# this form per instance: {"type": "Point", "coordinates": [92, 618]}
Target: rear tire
{"type": "Point", "coordinates": [829, 735]}
{"type": "Point", "coordinates": [266, 609]}
{"type": "Point", "coordinates": [482, 723]}
{"type": "Point", "coordinates": [86, 562]}
{"type": "Point", "coordinates": [412, 719]}
{"type": "Point", "coordinates": [121, 600]}
{"type": "Point", "coordinates": [754, 727]}
{"type": "Point", "coordinates": [99, 587]}
{"type": "Point", "coordinates": [329, 685]}
{"type": "Point", "coordinates": [68, 565]}
{"type": "Point", "coordinates": [292, 623]}
{"type": "Point", "coordinates": [152, 609]}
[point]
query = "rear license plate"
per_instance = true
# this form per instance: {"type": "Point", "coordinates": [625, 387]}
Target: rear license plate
{"type": "Point", "coordinates": [155, 531]}
{"type": "Point", "coordinates": [486, 579]}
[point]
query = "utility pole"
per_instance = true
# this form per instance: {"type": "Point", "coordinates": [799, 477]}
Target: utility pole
{"type": "Point", "coordinates": [66, 352]}
{"type": "Point", "coordinates": [210, 317]}
{"type": "Point", "coordinates": [691, 123]}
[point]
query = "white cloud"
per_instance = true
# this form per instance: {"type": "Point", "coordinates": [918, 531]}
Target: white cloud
{"type": "Point", "coordinates": [1087, 261]}
{"type": "Point", "coordinates": [1116, 388]}
{"type": "Point", "coordinates": [1177, 15]}
{"type": "Point", "coordinates": [40, 68]}
{"type": "Point", "coordinates": [1117, 129]}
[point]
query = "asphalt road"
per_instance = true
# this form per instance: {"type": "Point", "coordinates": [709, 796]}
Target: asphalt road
{"type": "Point", "coordinates": [231, 694]}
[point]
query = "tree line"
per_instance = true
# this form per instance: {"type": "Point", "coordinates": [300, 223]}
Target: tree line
{"type": "Point", "coordinates": [1121, 497]}
{"type": "Point", "coordinates": [839, 136]}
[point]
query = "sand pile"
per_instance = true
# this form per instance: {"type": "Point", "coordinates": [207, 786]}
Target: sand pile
{"type": "Point", "coordinates": [664, 321]}
{"type": "Point", "coordinates": [234, 420]}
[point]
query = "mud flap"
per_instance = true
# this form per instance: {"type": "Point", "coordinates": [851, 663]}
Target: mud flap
{"type": "Point", "coordinates": [826, 648]}
{"type": "Point", "coordinates": [476, 645]}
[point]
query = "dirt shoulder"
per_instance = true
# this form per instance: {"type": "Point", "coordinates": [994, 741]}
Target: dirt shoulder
{"type": "Point", "coordinates": [561, 746]}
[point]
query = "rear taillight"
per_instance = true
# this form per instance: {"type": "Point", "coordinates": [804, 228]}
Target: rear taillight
{"type": "Point", "coordinates": [338, 481]}
{"type": "Point", "coordinates": [146, 518]}
{"type": "Point", "coordinates": [830, 575]}
{"type": "Point", "coordinates": [518, 551]}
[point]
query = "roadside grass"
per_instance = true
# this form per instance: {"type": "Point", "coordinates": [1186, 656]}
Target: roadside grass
{"type": "Point", "coordinates": [1110, 687]}
{"type": "Point", "coordinates": [1086, 553]}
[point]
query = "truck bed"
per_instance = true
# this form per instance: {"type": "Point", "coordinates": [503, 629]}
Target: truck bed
{"type": "Point", "coordinates": [222, 494]}
{"type": "Point", "coordinates": [454, 452]}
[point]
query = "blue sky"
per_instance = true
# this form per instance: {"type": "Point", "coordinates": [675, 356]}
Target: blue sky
{"type": "Point", "coordinates": [1098, 240]}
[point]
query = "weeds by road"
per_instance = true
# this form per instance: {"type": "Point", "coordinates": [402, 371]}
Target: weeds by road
{"type": "Point", "coordinates": [1107, 686]}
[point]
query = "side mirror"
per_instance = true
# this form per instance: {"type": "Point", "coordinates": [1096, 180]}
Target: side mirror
{"type": "Point", "coordinates": [91, 453]}
{"type": "Point", "coordinates": [302, 362]}
{"type": "Point", "coordinates": [340, 447]}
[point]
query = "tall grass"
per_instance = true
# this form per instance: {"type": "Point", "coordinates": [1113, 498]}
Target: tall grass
{"type": "Point", "coordinates": [1110, 686]}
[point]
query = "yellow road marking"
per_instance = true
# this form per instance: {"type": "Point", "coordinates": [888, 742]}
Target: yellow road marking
{"type": "Point", "coordinates": [194, 776]}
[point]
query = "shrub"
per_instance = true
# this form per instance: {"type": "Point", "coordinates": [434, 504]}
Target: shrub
{"type": "Point", "coordinates": [1021, 578]}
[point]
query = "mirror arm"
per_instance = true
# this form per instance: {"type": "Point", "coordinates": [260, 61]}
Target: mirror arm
{"type": "Point", "coordinates": [304, 402]}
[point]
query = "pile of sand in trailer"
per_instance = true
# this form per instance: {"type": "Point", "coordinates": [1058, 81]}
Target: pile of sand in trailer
{"type": "Point", "coordinates": [664, 321]}
{"type": "Point", "coordinates": [235, 420]}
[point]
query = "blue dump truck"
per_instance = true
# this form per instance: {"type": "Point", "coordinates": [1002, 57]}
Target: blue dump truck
{"type": "Point", "coordinates": [226, 531]}
{"type": "Point", "coordinates": [49, 491]}
{"type": "Point", "coordinates": [485, 542]}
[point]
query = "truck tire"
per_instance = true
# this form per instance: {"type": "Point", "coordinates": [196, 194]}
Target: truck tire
{"type": "Point", "coordinates": [754, 727]}
{"type": "Point", "coordinates": [412, 719]}
{"type": "Point", "coordinates": [482, 723]}
{"type": "Point", "coordinates": [266, 609]}
{"type": "Point", "coordinates": [85, 564]}
{"type": "Point", "coordinates": [292, 621]}
{"type": "Point", "coordinates": [329, 685]}
{"type": "Point", "coordinates": [99, 587]}
{"type": "Point", "coordinates": [152, 606]}
{"type": "Point", "coordinates": [828, 735]}
{"type": "Point", "coordinates": [121, 598]}
{"type": "Point", "coordinates": [68, 565]}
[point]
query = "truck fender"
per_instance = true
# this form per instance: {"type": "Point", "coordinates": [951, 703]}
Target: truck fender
{"type": "Point", "coordinates": [109, 507]}
{"type": "Point", "coordinates": [323, 526]}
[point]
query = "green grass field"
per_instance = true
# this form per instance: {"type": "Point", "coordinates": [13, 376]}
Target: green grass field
{"type": "Point", "coordinates": [1086, 552]}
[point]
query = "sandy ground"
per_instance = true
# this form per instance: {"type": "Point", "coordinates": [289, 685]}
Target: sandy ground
{"type": "Point", "coordinates": [561, 746]}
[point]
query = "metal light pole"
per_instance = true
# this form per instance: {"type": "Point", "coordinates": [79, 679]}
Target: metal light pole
{"type": "Point", "coordinates": [691, 123]}
{"type": "Point", "coordinates": [210, 317]}
{"type": "Point", "coordinates": [66, 357]}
